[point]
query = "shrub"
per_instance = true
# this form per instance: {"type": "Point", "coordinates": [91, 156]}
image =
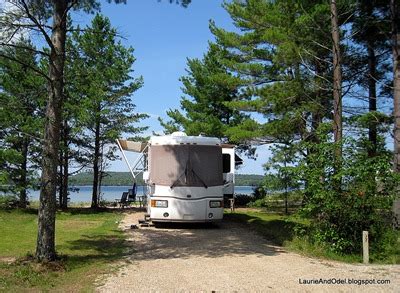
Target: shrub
{"type": "Point", "coordinates": [8, 201]}
{"type": "Point", "coordinates": [243, 199]}
{"type": "Point", "coordinates": [388, 249]}
{"type": "Point", "coordinates": [362, 201]}
{"type": "Point", "coordinates": [277, 199]}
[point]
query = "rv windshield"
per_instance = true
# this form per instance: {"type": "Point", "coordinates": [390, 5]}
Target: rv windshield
{"type": "Point", "coordinates": [186, 165]}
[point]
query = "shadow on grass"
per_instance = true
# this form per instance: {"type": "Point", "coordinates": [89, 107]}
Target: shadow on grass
{"type": "Point", "coordinates": [88, 211]}
{"type": "Point", "coordinates": [276, 230]}
{"type": "Point", "coordinates": [31, 211]}
{"type": "Point", "coordinates": [98, 248]}
{"type": "Point", "coordinates": [72, 211]}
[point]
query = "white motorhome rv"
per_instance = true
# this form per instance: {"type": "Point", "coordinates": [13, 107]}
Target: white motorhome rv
{"type": "Point", "coordinates": [186, 176]}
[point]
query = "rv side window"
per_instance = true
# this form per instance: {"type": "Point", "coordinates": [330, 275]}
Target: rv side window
{"type": "Point", "coordinates": [226, 163]}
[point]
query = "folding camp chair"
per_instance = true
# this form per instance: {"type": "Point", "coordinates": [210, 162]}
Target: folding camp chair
{"type": "Point", "coordinates": [123, 202]}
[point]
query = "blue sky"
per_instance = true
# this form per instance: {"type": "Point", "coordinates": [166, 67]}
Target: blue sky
{"type": "Point", "coordinates": [163, 36]}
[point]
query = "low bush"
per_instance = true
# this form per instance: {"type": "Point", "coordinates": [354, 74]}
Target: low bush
{"type": "Point", "coordinates": [8, 201]}
{"type": "Point", "coordinates": [243, 200]}
{"type": "Point", "coordinates": [343, 202]}
{"type": "Point", "coordinates": [277, 199]}
{"type": "Point", "coordinates": [296, 233]}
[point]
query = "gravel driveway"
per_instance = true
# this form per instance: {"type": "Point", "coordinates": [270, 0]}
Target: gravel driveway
{"type": "Point", "coordinates": [228, 257]}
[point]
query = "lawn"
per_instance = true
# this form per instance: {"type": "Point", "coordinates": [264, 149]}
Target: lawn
{"type": "Point", "coordinates": [281, 229]}
{"type": "Point", "coordinates": [86, 241]}
{"type": "Point", "coordinates": [276, 227]}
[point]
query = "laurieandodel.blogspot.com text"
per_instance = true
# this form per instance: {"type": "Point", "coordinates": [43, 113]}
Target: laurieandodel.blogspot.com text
{"type": "Point", "coordinates": [343, 281]}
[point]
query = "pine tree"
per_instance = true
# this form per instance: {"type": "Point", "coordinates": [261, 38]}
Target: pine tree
{"type": "Point", "coordinates": [204, 109]}
{"type": "Point", "coordinates": [370, 30]}
{"type": "Point", "coordinates": [283, 69]}
{"type": "Point", "coordinates": [107, 111]}
{"type": "Point", "coordinates": [395, 21]}
{"type": "Point", "coordinates": [36, 16]}
{"type": "Point", "coordinates": [71, 128]}
{"type": "Point", "coordinates": [337, 90]}
{"type": "Point", "coordinates": [21, 100]}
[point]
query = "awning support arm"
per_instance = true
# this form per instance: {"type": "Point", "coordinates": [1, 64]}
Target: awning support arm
{"type": "Point", "coordinates": [126, 160]}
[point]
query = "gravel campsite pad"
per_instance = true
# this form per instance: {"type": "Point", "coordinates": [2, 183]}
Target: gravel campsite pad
{"type": "Point", "coordinates": [228, 257]}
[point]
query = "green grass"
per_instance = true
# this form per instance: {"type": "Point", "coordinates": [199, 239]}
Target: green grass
{"type": "Point", "coordinates": [283, 230]}
{"type": "Point", "coordinates": [278, 228]}
{"type": "Point", "coordinates": [86, 241]}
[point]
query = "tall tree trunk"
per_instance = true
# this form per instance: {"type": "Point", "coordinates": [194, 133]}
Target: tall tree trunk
{"type": "Point", "coordinates": [317, 115]}
{"type": "Point", "coordinates": [337, 86]}
{"type": "Point", "coordinates": [45, 247]}
{"type": "Point", "coordinates": [395, 12]}
{"type": "Point", "coordinates": [101, 172]}
{"type": "Point", "coordinates": [60, 177]}
{"type": "Point", "coordinates": [101, 176]}
{"type": "Point", "coordinates": [96, 162]}
{"type": "Point", "coordinates": [64, 166]}
{"type": "Point", "coordinates": [65, 179]}
{"type": "Point", "coordinates": [286, 182]}
{"type": "Point", "coordinates": [23, 179]}
{"type": "Point", "coordinates": [372, 129]}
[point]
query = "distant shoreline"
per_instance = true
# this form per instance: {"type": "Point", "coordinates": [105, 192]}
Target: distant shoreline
{"type": "Point", "coordinates": [83, 193]}
{"type": "Point", "coordinates": [124, 185]}
{"type": "Point", "coordinates": [125, 179]}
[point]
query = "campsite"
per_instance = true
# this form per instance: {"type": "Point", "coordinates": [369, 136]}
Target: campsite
{"type": "Point", "coordinates": [199, 146]}
{"type": "Point", "coordinates": [96, 255]}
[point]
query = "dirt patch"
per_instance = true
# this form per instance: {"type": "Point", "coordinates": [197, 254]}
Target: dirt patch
{"type": "Point", "coordinates": [75, 224]}
{"type": "Point", "coordinates": [229, 257]}
{"type": "Point", "coordinates": [7, 260]}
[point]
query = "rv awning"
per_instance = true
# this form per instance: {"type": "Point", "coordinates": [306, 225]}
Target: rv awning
{"type": "Point", "coordinates": [238, 160]}
{"type": "Point", "coordinates": [132, 146]}
{"type": "Point", "coordinates": [227, 146]}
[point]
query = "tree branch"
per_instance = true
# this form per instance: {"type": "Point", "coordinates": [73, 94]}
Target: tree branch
{"type": "Point", "coordinates": [25, 48]}
{"type": "Point", "coordinates": [39, 25]}
{"type": "Point", "coordinates": [27, 65]}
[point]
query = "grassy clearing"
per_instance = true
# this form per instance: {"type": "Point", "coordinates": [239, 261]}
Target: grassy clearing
{"type": "Point", "coordinates": [87, 243]}
{"type": "Point", "coordinates": [275, 227]}
{"type": "Point", "coordinates": [281, 230]}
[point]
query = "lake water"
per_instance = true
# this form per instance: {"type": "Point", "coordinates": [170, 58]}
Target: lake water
{"type": "Point", "coordinates": [111, 193]}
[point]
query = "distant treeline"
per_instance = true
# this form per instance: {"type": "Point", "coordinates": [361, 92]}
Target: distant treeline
{"type": "Point", "coordinates": [125, 178]}
{"type": "Point", "coordinates": [248, 179]}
